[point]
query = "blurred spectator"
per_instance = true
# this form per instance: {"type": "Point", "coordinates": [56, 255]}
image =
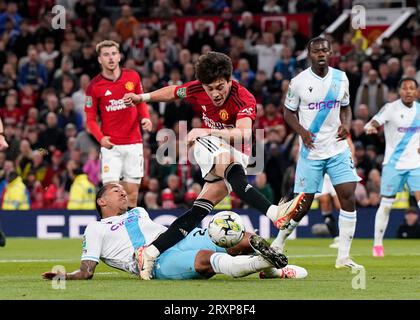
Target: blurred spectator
{"type": "Point", "coordinates": [271, 6]}
{"type": "Point", "coordinates": [39, 167]}
{"type": "Point", "coordinates": [373, 187]}
{"type": "Point", "coordinates": [69, 115]}
{"type": "Point", "coordinates": [248, 29]}
{"type": "Point", "coordinates": [151, 200]}
{"type": "Point", "coordinates": [92, 167]}
{"type": "Point", "coordinates": [49, 53]}
{"type": "Point", "coordinates": [124, 25]}
{"type": "Point", "coordinates": [11, 137]}
{"type": "Point", "coordinates": [36, 192]}
{"type": "Point", "coordinates": [164, 10]}
{"type": "Point", "coordinates": [286, 65]}
{"type": "Point", "coordinates": [167, 198]}
{"type": "Point", "coordinates": [24, 160]}
{"type": "Point", "coordinates": [53, 137]}
{"type": "Point", "coordinates": [410, 229]}
{"type": "Point", "coordinates": [263, 187]}
{"type": "Point", "coordinates": [361, 112]}
{"type": "Point", "coordinates": [55, 168]}
{"type": "Point", "coordinates": [268, 53]}
{"type": "Point", "coordinates": [174, 185]}
{"type": "Point", "coordinates": [372, 92]}
{"type": "Point", "coordinates": [55, 196]}
{"type": "Point", "coordinates": [82, 192]}
{"type": "Point", "coordinates": [32, 72]}
{"type": "Point", "coordinates": [27, 99]}
{"type": "Point", "coordinates": [8, 79]}
{"type": "Point", "coordinates": [243, 74]}
{"type": "Point", "coordinates": [271, 120]}
{"type": "Point", "coordinates": [16, 195]}
{"type": "Point", "coordinates": [79, 97]}
{"type": "Point", "coordinates": [11, 114]}
{"type": "Point", "coordinates": [227, 25]}
{"type": "Point", "coordinates": [362, 161]}
{"type": "Point", "coordinates": [200, 37]}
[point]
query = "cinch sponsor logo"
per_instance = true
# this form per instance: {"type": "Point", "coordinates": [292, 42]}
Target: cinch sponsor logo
{"type": "Point", "coordinates": [120, 224]}
{"type": "Point", "coordinates": [116, 105]}
{"type": "Point", "coordinates": [324, 105]}
{"type": "Point", "coordinates": [408, 129]}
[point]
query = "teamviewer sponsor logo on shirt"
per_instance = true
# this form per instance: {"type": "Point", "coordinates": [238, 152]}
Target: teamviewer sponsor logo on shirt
{"type": "Point", "coordinates": [115, 105]}
{"type": "Point", "coordinates": [324, 105]}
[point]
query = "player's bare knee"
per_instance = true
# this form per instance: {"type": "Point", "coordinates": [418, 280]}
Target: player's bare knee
{"type": "Point", "coordinates": [202, 263]}
{"type": "Point", "coordinates": [222, 161]}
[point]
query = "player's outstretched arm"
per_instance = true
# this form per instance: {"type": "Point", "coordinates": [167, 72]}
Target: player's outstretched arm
{"type": "Point", "coordinates": [165, 94]}
{"type": "Point", "coordinates": [86, 271]}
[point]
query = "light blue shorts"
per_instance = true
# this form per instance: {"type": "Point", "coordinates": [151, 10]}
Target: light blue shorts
{"type": "Point", "coordinates": [177, 262]}
{"type": "Point", "coordinates": [393, 180]}
{"type": "Point", "coordinates": [310, 173]}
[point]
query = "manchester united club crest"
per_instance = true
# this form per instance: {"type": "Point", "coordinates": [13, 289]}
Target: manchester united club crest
{"type": "Point", "coordinates": [129, 86]}
{"type": "Point", "coordinates": [223, 114]}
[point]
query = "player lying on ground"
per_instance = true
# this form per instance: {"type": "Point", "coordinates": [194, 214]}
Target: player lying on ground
{"type": "Point", "coordinates": [121, 233]}
{"type": "Point", "coordinates": [228, 112]}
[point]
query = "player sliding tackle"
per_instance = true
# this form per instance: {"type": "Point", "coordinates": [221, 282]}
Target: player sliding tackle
{"type": "Point", "coordinates": [228, 113]}
{"type": "Point", "coordinates": [118, 235]}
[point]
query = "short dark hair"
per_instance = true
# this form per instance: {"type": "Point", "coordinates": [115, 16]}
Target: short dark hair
{"type": "Point", "coordinates": [213, 66]}
{"type": "Point", "coordinates": [411, 210]}
{"type": "Point", "coordinates": [407, 79]}
{"type": "Point", "coordinates": [99, 195]}
{"type": "Point", "coordinates": [317, 39]}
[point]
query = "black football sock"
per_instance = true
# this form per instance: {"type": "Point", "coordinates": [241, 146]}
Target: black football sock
{"type": "Point", "coordinates": [183, 225]}
{"type": "Point", "coordinates": [235, 175]}
{"type": "Point", "coordinates": [331, 224]}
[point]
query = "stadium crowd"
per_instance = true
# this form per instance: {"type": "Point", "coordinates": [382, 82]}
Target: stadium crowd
{"type": "Point", "coordinates": [53, 162]}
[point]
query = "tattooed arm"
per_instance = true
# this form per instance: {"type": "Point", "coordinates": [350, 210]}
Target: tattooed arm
{"type": "Point", "coordinates": [86, 271]}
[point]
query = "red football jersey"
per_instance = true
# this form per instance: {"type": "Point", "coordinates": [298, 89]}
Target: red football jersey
{"type": "Point", "coordinates": [105, 97]}
{"type": "Point", "coordinates": [239, 104]}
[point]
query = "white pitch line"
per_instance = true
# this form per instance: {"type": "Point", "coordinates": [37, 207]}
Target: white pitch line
{"type": "Point", "coordinates": [36, 260]}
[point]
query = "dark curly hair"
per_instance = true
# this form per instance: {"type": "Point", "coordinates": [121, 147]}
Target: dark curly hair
{"type": "Point", "coordinates": [213, 66]}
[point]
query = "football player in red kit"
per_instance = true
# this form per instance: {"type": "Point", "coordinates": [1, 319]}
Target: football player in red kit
{"type": "Point", "coordinates": [228, 112]}
{"type": "Point", "coordinates": [119, 134]}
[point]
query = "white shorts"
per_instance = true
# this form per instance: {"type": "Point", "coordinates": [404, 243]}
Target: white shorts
{"type": "Point", "coordinates": [206, 149]}
{"type": "Point", "coordinates": [122, 162]}
{"type": "Point", "coordinates": [327, 187]}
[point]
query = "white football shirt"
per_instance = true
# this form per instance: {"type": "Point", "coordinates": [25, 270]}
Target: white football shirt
{"type": "Point", "coordinates": [402, 134]}
{"type": "Point", "coordinates": [113, 239]}
{"type": "Point", "coordinates": [318, 102]}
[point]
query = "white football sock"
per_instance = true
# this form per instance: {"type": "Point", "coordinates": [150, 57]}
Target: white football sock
{"type": "Point", "coordinates": [347, 226]}
{"type": "Point", "coordinates": [280, 240]}
{"type": "Point", "coordinates": [418, 204]}
{"type": "Point", "coordinates": [239, 266]}
{"type": "Point", "coordinates": [381, 220]}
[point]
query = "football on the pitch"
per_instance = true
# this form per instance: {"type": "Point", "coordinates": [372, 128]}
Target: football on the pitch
{"type": "Point", "coordinates": [226, 229]}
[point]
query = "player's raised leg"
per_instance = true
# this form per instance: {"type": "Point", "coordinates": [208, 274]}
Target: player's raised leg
{"type": "Point", "coordinates": [228, 166]}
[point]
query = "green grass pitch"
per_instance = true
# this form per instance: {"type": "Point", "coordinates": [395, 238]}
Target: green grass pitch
{"type": "Point", "coordinates": [396, 276]}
